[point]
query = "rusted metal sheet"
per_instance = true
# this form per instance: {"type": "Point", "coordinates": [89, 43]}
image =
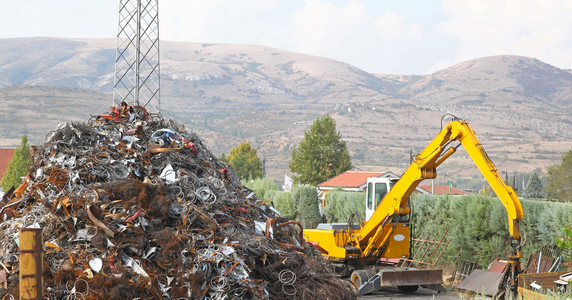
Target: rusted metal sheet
{"type": "Point", "coordinates": [546, 280]}
{"type": "Point", "coordinates": [545, 264]}
{"type": "Point", "coordinates": [498, 265]}
{"type": "Point", "coordinates": [482, 282]}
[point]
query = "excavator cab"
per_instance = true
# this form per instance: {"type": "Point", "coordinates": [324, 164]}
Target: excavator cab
{"type": "Point", "coordinates": [377, 188]}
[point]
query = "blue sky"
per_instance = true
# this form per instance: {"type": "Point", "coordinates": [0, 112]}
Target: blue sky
{"type": "Point", "coordinates": [379, 36]}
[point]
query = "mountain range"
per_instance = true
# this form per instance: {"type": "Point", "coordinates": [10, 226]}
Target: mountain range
{"type": "Point", "coordinates": [519, 107]}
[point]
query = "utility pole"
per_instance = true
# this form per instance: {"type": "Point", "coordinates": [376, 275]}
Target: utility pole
{"type": "Point", "coordinates": [264, 168]}
{"type": "Point", "coordinates": [137, 72]}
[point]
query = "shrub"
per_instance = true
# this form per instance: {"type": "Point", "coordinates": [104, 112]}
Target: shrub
{"type": "Point", "coordinates": [340, 205]}
{"type": "Point", "coordinates": [283, 203]}
{"type": "Point", "coordinates": [261, 186]}
{"type": "Point", "coordinates": [305, 201]}
{"type": "Point", "coordinates": [480, 224]}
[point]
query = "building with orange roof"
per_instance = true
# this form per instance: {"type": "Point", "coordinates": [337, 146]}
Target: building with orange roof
{"type": "Point", "coordinates": [353, 181]}
{"type": "Point", "coordinates": [356, 181]}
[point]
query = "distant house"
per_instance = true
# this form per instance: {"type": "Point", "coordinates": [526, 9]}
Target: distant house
{"type": "Point", "coordinates": [443, 190]}
{"type": "Point", "coordinates": [355, 181]}
{"type": "Point", "coordinates": [351, 181]}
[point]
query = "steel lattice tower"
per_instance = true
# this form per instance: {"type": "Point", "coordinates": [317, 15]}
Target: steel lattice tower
{"type": "Point", "coordinates": [137, 72]}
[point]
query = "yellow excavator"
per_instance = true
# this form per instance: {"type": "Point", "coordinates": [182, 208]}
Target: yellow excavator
{"type": "Point", "coordinates": [358, 250]}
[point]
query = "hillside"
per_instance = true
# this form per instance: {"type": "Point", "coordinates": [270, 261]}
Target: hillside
{"type": "Point", "coordinates": [520, 108]}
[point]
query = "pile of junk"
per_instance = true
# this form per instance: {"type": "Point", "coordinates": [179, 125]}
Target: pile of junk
{"type": "Point", "coordinates": [133, 206]}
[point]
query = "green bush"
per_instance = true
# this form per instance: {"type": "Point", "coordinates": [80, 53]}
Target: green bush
{"type": "Point", "coordinates": [479, 224]}
{"type": "Point", "coordinates": [283, 203]}
{"type": "Point", "coordinates": [305, 201]}
{"type": "Point", "coordinates": [261, 186]}
{"type": "Point", "coordinates": [340, 205]}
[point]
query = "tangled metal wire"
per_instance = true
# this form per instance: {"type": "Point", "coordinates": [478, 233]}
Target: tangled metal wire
{"type": "Point", "coordinates": [139, 208]}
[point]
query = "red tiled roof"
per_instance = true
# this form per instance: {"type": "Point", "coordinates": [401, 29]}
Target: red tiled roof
{"type": "Point", "coordinates": [5, 157]}
{"type": "Point", "coordinates": [350, 179]}
{"type": "Point", "coordinates": [444, 190]}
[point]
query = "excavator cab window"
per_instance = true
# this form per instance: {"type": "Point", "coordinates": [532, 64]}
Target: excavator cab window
{"type": "Point", "coordinates": [380, 191]}
{"type": "Point", "coordinates": [370, 195]}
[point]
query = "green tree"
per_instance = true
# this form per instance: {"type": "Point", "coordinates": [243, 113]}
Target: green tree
{"type": "Point", "coordinates": [559, 179]}
{"type": "Point", "coordinates": [245, 162]}
{"type": "Point", "coordinates": [305, 201]}
{"type": "Point", "coordinates": [223, 158]}
{"type": "Point", "coordinates": [18, 166]}
{"type": "Point", "coordinates": [534, 187]}
{"type": "Point", "coordinates": [321, 155]}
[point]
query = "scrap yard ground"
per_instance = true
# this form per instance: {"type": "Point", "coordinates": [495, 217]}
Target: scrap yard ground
{"type": "Point", "coordinates": [422, 293]}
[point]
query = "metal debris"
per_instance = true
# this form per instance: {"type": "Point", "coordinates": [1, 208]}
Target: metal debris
{"type": "Point", "coordinates": [483, 283]}
{"type": "Point", "coordinates": [137, 207]}
{"type": "Point", "coordinates": [539, 263]}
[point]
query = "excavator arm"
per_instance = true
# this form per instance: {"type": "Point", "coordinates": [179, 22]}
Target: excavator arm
{"type": "Point", "coordinates": [424, 167]}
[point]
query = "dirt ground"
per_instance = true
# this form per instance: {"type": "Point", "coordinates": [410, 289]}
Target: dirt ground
{"type": "Point", "coordinates": [422, 293]}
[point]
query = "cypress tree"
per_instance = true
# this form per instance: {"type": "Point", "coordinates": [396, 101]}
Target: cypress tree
{"type": "Point", "coordinates": [534, 187]}
{"type": "Point", "coordinates": [305, 199]}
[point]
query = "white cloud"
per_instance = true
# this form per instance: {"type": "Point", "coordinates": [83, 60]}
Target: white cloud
{"type": "Point", "coordinates": [376, 41]}
{"type": "Point", "coordinates": [366, 33]}
{"type": "Point", "coordinates": [218, 21]}
{"type": "Point", "coordinates": [535, 28]}
{"type": "Point", "coordinates": [377, 36]}
{"type": "Point", "coordinates": [415, 31]}
{"type": "Point", "coordinates": [60, 18]}
{"type": "Point", "coordinates": [390, 26]}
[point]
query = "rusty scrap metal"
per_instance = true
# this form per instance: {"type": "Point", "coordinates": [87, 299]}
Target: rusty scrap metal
{"type": "Point", "coordinates": [483, 283]}
{"type": "Point", "coordinates": [428, 247]}
{"type": "Point", "coordinates": [539, 263]}
{"type": "Point", "coordinates": [139, 208]}
{"type": "Point", "coordinates": [465, 263]}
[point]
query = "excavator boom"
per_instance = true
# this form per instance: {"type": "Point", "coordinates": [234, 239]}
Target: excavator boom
{"type": "Point", "coordinates": [425, 165]}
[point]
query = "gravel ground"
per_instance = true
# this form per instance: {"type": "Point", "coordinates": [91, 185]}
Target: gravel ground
{"type": "Point", "coordinates": [422, 293]}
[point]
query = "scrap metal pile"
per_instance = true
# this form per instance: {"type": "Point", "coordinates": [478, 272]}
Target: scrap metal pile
{"type": "Point", "coordinates": [136, 207]}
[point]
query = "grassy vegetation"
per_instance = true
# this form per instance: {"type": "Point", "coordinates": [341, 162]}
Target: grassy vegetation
{"type": "Point", "coordinates": [476, 223]}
